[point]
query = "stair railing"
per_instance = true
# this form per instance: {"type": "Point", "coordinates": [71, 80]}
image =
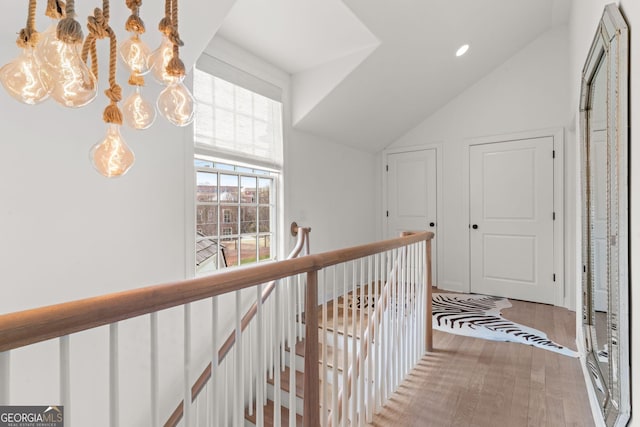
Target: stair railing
{"type": "Point", "coordinates": [302, 244]}
{"type": "Point", "coordinates": [399, 276]}
{"type": "Point", "coordinates": [19, 332]}
{"type": "Point", "coordinates": [387, 329]}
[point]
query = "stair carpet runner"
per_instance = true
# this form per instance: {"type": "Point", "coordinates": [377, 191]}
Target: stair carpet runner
{"type": "Point", "coordinates": [327, 328]}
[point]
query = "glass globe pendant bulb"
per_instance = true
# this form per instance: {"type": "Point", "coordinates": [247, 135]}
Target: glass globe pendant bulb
{"type": "Point", "coordinates": [135, 54]}
{"type": "Point", "coordinates": [74, 83]}
{"type": "Point", "coordinates": [158, 61]}
{"type": "Point", "coordinates": [111, 156]}
{"type": "Point", "coordinates": [176, 104]}
{"type": "Point", "coordinates": [137, 112]}
{"type": "Point", "coordinates": [22, 79]}
{"type": "Point", "coordinates": [48, 51]}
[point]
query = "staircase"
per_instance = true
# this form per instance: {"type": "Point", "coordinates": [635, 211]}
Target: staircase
{"type": "Point", "coordinates": [338, 319]}
{"type": "Point", "coordinates": [356, 353]}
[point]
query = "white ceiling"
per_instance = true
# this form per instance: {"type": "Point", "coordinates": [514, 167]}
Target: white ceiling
{"type": "Point", "coordinates": [411, 74]}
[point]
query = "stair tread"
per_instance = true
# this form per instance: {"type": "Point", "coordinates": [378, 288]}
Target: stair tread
{"type": "Point", "coordinates": [330, 350]}
{"type": "Point", "coordinates": [269, 415]}
{"type": "Point", "coordinates": [285, 377]}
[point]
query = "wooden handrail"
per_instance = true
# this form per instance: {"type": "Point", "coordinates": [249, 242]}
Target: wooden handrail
{"type": "Point", "coordinates": [32, 326]}
{"type": "Point", "coordinates": [301, 243]}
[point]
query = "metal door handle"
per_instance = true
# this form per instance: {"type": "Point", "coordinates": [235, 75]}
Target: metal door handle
{"type": "Point", "coordinates": [474, 226]}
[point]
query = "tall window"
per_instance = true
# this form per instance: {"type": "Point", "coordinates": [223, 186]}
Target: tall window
{"type": "Point", "coordinates": [238, 140]}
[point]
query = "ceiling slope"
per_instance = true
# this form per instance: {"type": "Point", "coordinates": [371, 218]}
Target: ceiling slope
{"type": "Point", "coordinates": [369, 98]}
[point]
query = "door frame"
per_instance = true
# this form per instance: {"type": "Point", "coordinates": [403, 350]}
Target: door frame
{"type": "Point", "coordinates": [562, 295]}
{"type": "Point", "coordinates": [439, 205]}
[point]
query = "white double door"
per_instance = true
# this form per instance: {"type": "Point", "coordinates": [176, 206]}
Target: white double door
{"type": "Point", "coordinates": [411, 196]}
{"type": "Point", "coordinates": [512, 219]}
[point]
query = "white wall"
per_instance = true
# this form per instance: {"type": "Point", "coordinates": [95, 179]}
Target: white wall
{"type": "Point", "coordinates": [332, 189]}
{"type": "Point", "coordinates": [527, 92]}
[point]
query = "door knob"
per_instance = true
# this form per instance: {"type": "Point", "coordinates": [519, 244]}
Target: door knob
{"type": "Point", "coordinates": [474, 226]}
{"type": "Point", "coordinates": [432, 224]}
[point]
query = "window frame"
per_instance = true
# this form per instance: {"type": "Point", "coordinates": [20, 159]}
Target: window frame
{"type": "Point", "coordinates": [225, 228]}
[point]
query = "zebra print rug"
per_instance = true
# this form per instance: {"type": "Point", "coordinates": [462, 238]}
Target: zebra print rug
{"type": "Point", "coordinates": [479, 316]}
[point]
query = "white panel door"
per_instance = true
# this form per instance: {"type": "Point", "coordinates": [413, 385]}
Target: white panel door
{"type": "Point", "coordinates": [598, 171]}
{"type": "Point", "coordinates": [511, 219]}
{"type": "Point", "coordinates": [411, 196]}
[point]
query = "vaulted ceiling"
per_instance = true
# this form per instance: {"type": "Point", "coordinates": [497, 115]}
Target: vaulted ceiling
{"type": "Point", "coordinates": [363, 71]}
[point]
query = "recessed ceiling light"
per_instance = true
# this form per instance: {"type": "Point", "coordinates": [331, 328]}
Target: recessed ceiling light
{"type": "Point", "coordinates": [462, 50]}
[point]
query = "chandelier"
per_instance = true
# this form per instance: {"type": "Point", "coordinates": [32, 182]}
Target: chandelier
{"type": "Point", "coordinates": [62, 64]}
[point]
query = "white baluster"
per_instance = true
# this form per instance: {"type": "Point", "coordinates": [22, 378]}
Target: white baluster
{"type": "Point", "coordinates": [5, 377]}
{"type": "Point", "coordinates": [378, 279]}
{"type": "Point", "coordinates": [360, 371]}
{"type": "Point", "coordinates": [354, 341]}
{"type": "Point", "coordinates": [334, 342]}
{"type": "Point", "coordinates": [277, 359]}
{"type": "Point", "coordinates": [215, 370]}
{"type": "Point", "coordinates": [371, 280]}
{"type": "Point", "coordinates": [291, 327]}
{"type": "Point", "coordinates": [238, 395]}
{"type": "Point", "coordinates": [187, 365]}
{"type": "Point", "coordinates": [155, 369]}
{"type": "Point", "coordinates": [324, 395]}
{"type": "Point", "coordinates": [345, 344]}
{"type": "Point", "coordinates": [260, 377]}
{"type": "Point", "coordinates": [65, 378]}
{"type": "Point", "coordinates": [114, 380]}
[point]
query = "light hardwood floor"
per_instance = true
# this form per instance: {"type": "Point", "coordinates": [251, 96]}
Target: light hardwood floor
{"type": "Point", "coordinates": [475, 382]}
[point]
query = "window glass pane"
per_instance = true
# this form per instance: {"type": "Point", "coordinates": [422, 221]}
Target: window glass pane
{"type": "Point", "coordinates": [209, 254]}
{"type": "Point", "coordinates": [264, 247]}
{"type": "Point", "coordinates": [264, 219]}
{"type": "Point", "coordinates": [264, 192]}
{"type": "Point", "coordinates": [248, 219]}
{"type": "Point", "coordinates": [201, 163]}
{"type": "Point", "coordinates": [248, 185]}
{"type": "Point", "coordinates": [248, 250]}
{"type": "Point", "coordinates": [224, 166]}
{"type": "Point", "coordinates": [230, 248]}
{"type": "Point", "coordinates": [228, 188]}
{"type": "Point", "coordinates": [229, 219]}
{"type": "Point", "coordinates": [207, 220]}
{"type": "Point", "coordinates": [207, 184]}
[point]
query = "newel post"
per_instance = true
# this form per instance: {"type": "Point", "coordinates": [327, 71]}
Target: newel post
{"type": "Point", "coordinates": [311, 414]}
{"type": "Point", "coordinates": [428, 315]}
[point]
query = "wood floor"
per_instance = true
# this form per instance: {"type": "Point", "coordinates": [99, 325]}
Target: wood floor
{"type": "Point", "coordinates": [474, 382]}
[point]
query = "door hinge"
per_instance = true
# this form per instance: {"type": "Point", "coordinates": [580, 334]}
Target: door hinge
{"type": "Point", "coordinates": [387, 213]}
{"type": "Point", "coordinates": [554, 277]}
{"type": "Point", "coordinates": [553, 154]}
{"type": "Point", "coordinates": [387, 168]}
{"type": "Point", "coordinates": [584, 268]}
{"type": "Point", "coordinates": [554, 216]}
